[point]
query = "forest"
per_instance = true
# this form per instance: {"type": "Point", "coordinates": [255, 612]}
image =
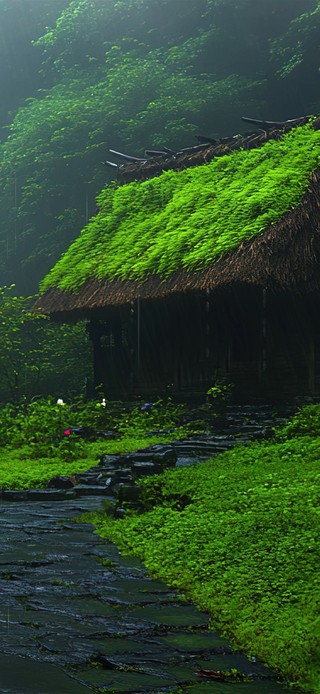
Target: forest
{"type": "Point", "coordinates": [84, 76]}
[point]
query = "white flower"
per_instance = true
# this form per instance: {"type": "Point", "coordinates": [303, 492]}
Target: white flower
{"type": "Point", "coordinates": [60, 401]}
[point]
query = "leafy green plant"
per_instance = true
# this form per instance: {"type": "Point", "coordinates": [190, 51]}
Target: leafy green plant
{"type": "Point", "coordinates": [40, 421]}
{"type": "Point", "coordinates": [38, 356]}
{"type": "Point", "coordinates": [306, 422]}
{"type": "Point", "coordinates": [158, 416]}
{"type": "Point", "coordinates": [217, 400]}
{"type": "Point", "coordinates": [220, 392]}
{"type": "Point", "coordinates": [38, 427]}
{"type": "Point", "coordinates": [34, 464]}
{"type": "Point", "coordinates": [295, 49]}
{"type": "Point", "coordinates": [98, 413]}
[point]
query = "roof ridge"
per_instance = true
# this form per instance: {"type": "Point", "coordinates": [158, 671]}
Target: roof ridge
{"type": "Point", "coordinates": [141, 169]}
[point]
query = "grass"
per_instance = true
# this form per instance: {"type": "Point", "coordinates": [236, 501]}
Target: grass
{"type": "Point", "coordinates": [239, 535]}
{"type": "Point", "coordinates": [188, 219]}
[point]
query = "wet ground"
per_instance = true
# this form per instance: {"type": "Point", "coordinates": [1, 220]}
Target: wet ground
{"type": "Point", "coordinates": [76, 616]}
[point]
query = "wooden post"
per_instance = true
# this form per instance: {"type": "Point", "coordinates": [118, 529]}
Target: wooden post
{"type": "Point", "coordinates": [94, 332]}
{"type": "Point", "coordinates": [138, 332]}
{"type": "Point", "coordinates": [264, 333]}
{"type": "Point", "coordinates": [207, 323]}
{"type": "Point", "coordinates": [131, 343]}
{"type": "Point", "coordinates": [310, 351]}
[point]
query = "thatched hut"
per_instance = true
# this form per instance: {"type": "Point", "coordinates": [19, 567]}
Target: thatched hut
{"type": "Point", "coordinates": [203, 265]}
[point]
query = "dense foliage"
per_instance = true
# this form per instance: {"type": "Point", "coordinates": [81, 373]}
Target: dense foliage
{"type": "Point", "coordinates": [188, 219]}
{"type": "Point", "coordinates": [21, 22]}
{"type": "Point", "coordinates": [34, 447]}
{"type": "Point", "coordinates": [119, 74]}
{"type": "Point", "coordinates": [306, 422]}
{"type": "Point", "coordinates": [239, 535]}
{"type": "Point", "coordinates": [37, 356]}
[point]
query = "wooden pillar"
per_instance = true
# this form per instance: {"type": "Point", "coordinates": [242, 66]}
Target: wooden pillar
{"type": "Point", "coordinates": [94, 332]}
{"type": "Point", "coordinates": [134, 341]}
{"type": "Point", "coordinates": [138, 334]}
{"type": "Point", "coordinates": [207, 345]}
{"type": "Point", "coordinates": [311, 365]}
{"type": "Point", "coordinates": [264, 327]}
{"type": "Point", "coordinates": [131, 343]}
{"type": "Point", "coordinates": [311, 318]}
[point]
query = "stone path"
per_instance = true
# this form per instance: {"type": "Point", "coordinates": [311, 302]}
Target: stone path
{"type": "Point", "coordinates": [76, 616]}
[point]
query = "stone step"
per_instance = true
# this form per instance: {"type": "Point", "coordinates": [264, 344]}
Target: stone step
{"type": "Point", "coordinates": [91, 490]}
{"type": "Point", "coordinates": [37, 494]}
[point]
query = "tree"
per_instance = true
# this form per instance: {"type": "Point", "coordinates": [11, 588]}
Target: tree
{"type": "Point", "coordinates": [38, 357]}
{"type": "Point", "coordinates": [22, 21]}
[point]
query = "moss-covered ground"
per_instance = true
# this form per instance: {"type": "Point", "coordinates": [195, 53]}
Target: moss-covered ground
{"type": "Point", "coordinates": [239, 535]}
{"type": "Point", "coordinates": [188, 219]}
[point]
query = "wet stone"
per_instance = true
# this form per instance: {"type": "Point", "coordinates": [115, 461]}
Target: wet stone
{"type": "Point", "coordinates": [227, 661]}
{"type": "Point", "coordinates": [21, 675]}
{"type": "Point", "coordinates": [207, 641]}
{"type": "Point", "coordinates": [110, 460]}
{"type": "Point", "coordinates": [122, 472]}
{"type": "Point", "coordinates": [126, 680]}
{"type": "Point", "coordinates": [173, 615]}
{"type": "Point", "coordinates": [144, 456]}
{"type": "Point", "coordinates": [12, 495]}
{"type": "Point", "coordinates": [90, 490]}
{"type": "Point", "coordinates": [203, 687]}
{"type": "Point", "coordinates": [69, 599]}
{"type": "Point", "coordinates": [62, 482]}
{"type": "Point", "coordinates": [37, 495]}
{"type": "Point", "coordinates": [143, 469]}
{"type": "Point", "coordinates": [128, 492]}
{"type": "Point", "coordinates": [165, 455]}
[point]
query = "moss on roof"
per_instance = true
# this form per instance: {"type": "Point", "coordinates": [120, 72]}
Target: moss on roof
{"type": "Point", "coordinates": [188, 219]}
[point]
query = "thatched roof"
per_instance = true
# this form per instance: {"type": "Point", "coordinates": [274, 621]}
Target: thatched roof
{"type": "Point", "coordinates": [285, 254]}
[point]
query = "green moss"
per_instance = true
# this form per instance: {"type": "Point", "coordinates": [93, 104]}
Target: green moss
{"type": "Point", "coordinates": [245, 547]}
{"type": "Point", "coordinates": [188, 219]}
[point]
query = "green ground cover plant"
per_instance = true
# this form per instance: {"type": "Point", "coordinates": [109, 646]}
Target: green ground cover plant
{"type": "Point", "coordinates": [188, 219]}
{"type": "Point", "coordinates": [306, 422]}
{"type": "Point", "coordinates": [33, 448]}
{"type": "Point", "coordinates": [25, 467]}
{"type": "Point", "coordinates": [239, 536]}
